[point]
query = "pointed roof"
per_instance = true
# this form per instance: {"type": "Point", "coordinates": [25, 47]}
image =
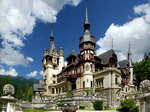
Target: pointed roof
{"type": "Point", "coordinates": [87, 34]}
{"type": "Point", "coordinates": [52, 45]}
{"type": "Point", "coordinates": [72, 53]}
{"type": "Point", "coordinates": [123, 63]}
{"type": "Point", "coordinates": [129, 57]}
{"type": "Point", "coordinates": [107, 55]}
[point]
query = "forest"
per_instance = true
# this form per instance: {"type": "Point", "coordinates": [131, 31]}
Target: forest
{"type": "Point", "coordinates": [23, 86]}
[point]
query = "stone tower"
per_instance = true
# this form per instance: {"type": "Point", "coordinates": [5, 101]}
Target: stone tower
{"type": "Point", "coordinates": [53, 62]}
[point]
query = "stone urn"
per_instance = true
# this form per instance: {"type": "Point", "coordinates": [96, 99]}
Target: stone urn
{"type": "Point", "coordinates": [69, 108]}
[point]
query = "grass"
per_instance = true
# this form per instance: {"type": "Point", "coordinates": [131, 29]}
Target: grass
{"type": "Point", "coordinates": [41, 110]}
{"type": "Point", "coordinates": [86, 109]}
{"type": "Point", "coordinates": [59, 110]}
{"type": "Point", "coordinates": [110, 109]}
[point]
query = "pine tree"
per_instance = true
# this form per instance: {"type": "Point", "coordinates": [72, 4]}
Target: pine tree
{"type": "Point", "coordinates": [29, 94]}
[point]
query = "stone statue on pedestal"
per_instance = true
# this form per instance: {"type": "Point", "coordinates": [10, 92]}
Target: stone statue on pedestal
{"type": "Point", "coordinates": [7, 101]}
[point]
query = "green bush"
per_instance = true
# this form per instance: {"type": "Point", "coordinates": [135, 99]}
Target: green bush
{"type": "Point", "coordinates": [60, 104]}
{"type": "Point", "coordinates": [69, 94]}
{"type": "Point", "coordinates": [135, 109]}
{"type": "Point", "coordinates": [81, 107]}
{"type": "Point", "coordinates": [98, 105]}
{"type": "Point", "coordinates": [128, 105]}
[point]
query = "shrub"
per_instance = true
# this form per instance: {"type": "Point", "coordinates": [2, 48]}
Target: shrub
{"type": "Point", "coordinates": [135, 109]}
{"type": "Point", "coordinates": [60, 104]}
{"type": "Point", "coordinates": [81, 107]}
{"type": "Point", "coordinates": [128, 105]}
{"type": "Point", "coordinates": [69, 94]}
{"type": "Point", "coordinates": [98, 105]}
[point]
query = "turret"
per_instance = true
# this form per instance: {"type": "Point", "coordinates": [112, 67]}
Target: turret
{"type": "Point", "coordinates": [61, 58]}
{"type": "Point", "coordinates": [87, 46]}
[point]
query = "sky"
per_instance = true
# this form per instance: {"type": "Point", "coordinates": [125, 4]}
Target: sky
{"type": "Point", "coordinates": [25, 30]}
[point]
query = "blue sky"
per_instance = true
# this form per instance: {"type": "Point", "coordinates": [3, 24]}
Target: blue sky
{"type": "Point", "coordinates": [28, 30]}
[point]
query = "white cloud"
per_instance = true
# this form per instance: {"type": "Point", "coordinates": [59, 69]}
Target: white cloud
{"type": "Point", "coordinates": [18, 19]}
{"type": "Point", "coordinates": [30, 59]}
{"type": "Point", "coordinates": [32, 74]}
{"type": "Point", "coordinates": [35, 73]}
{"type": "Point", "coordinates": [136, 31]}
{"type": "Point", "coordinates": [41, 73]}
{"type": "Point", "coordinates": [65, 63]}
{"type": "Point", "coordinates": [11, 56]}
{"type": "Point", "coordinates": [11, 71]}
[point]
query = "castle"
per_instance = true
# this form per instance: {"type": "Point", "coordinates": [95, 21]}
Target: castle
{"type": "Point", "coordinates": [102, 76]}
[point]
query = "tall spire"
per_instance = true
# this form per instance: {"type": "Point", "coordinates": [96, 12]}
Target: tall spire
{"type": "Point", "coordinates": [86, 24]}
{"type": "Point", "coordinates": [129, 54]}
{"type": "Point", "coordinates": [52, 45]}
{"type": "Point", "coordinates": [52, 33]}
{"type": "Point", "coordinates": [86, 18]}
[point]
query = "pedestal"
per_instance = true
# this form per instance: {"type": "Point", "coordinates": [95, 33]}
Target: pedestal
{"type": "Point", "coordinates": [8, 104]}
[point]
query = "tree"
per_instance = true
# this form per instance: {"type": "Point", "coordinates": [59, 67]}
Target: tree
{"type": "Point", "coordinates": [29, 94]}
{"type": "Point", "coordinates": [128, 105]}
{"type": "Point", "coordinates": [19, 93]}
{"type": "Point", "coordinates": [142, 70]}
{"type": "Point", "coordinates": [4, 81]}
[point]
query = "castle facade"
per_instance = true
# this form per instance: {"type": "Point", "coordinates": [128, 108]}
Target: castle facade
{"type": "Point", "coordinates": [86, 74]}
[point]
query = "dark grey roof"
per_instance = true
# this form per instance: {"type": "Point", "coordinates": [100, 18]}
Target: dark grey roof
{"type": "Point", "coordinates": [73, 53]}
{"type": "Point", "coordinates": [37, 87]}
{"type": "Point", "coordinates": [106, 56]}
{"type": "Point", "coordinates": [123, 63]}
{"type": "Point", "coordinates": [52, 47]}
{"type": "Point", "coordinates": [86, 36]}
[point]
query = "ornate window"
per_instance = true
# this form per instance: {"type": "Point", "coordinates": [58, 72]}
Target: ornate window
{"type": "Point", "coordinates": [87, 67]}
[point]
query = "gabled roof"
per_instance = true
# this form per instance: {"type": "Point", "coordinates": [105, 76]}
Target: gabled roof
{"type": "Point", "coordinates": [123, 63]}
{"type": "Point", "coordinates": [73, 53]}
{"type": "Point", "coordinates": [97, 59]}
{"type": "Point", "coordinates": [106, 56]}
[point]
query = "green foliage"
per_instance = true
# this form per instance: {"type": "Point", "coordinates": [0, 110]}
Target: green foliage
{"type": "Point", "coordinates": [128, 105]}
{"type": "Point", "coordinates": [142, 70]}
{"type": "Point", "coordinates": [3, 82]}
{"type": "Point", "coordinates": [63, 103]}
{"type": "Point", "coordinates": [23, 86]}
{"type": "Point", "coordinates": [88, 92]}
{"type": "Point", "coordinates": [41, 110]}
{"type": "Point", "coordinates": [98, 105]}
{"type": "Point", "coordinates": [135, 109]}
{"type": "Point", "coordinates": [60, 104]}
{"type": "Point", "coordinates": [33, 110]}
{"type": "Point", "coordinates": [29, 94]}
{"type": "Point", "coordinates": [69, 94]}
{"type": "Point", "coordinates": [81, 107]}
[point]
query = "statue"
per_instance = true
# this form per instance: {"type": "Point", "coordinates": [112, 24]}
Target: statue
{"type": "Point", "coordinates": [145, 86]}
{"type": "Point", "coordinates": [8, 90]}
